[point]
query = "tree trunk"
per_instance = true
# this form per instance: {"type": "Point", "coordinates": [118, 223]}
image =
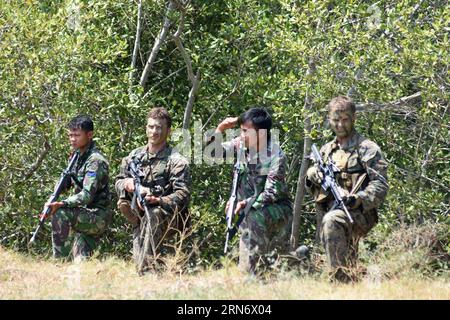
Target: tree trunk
{"type": "Point", "coordinates": [300, 192]}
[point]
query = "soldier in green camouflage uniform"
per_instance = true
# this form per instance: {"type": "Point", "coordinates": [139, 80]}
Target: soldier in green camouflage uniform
{"type": "Point", "coordinates": [363, 184]}
{"type": "Point", "coordinates": [162, 166]}
{"type": "Point", "coordinates": [262, 189]}
{"type": "Point", "coordinates": [80, 219]}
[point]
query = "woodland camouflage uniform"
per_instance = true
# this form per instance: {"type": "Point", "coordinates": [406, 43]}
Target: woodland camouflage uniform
{"type": "Point", "coordinates": [360, 160]}
{"type": "Point", "coordinates": [168, 169]}
{"type": "Point", "coordinates": [266, 226]}
{"type": "Point", "coordinates": [85, 215]}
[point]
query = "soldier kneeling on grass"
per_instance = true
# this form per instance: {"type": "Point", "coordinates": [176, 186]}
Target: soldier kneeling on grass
{"type": "Point", "coordinates": [164, 169]}
{"type": "Point", "coordinates": [79, 220]}
{"type": "Point", "coordinates": [363, 182]}
{"type": "Point", "coordinates": [262, 192]}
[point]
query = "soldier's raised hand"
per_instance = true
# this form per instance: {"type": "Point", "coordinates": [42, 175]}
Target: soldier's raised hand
{"type": "Point", "coordinates": [228, 123]}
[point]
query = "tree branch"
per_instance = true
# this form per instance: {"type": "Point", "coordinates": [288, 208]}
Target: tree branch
{"type": "Point", "coordinates": [157, 45]}
{"type": "Point", "coordinates": [179, 43]}
{"type": "Point", "coordinates": [136, 42]}
{"type": "Point", "coordinates": [191, 100]}
{"type": "Point", "coordinates": [194, 79]}
{"type": "Point", "coordinates": [394, 106]}
{"type": "Point", "coordinates": [156, 85]}
{"type": "Point", "coordinates": [125, 132]}
{"type": "Point", "coordinates": [33, 168]}
{"type": "Point", "coordinates": [235, 88]}
{"type": "Point", "coordinates": [428, 154]}
{"type": "Point", "coordinates": [352, 91]}
{"type": "Point", "coordinates": [421, 176]}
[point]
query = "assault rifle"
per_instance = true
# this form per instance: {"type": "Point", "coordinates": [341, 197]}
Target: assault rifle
{"type": "Point", "coordinates": [329, 181]}
{"type": "Point", "coordinates": [66, 174]}
{"type": "Point", "coordinates": [232, 202]}
{"type": "Point", "coordinates": [155, 190]}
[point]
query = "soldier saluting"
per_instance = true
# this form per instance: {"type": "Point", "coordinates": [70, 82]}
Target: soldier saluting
{"type": "Point", "coordinates": [362, 178]}
{"type": "Point", "coordinates": [262, 191]}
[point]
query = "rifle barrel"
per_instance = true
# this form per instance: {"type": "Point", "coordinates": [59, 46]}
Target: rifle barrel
{"type": "Point", "coordinates": [54, 197]}
{"type": "Point", "coordinates": [329, 181]}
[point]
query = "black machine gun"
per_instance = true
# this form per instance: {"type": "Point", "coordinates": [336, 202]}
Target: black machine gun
{"type": "Point", "coordinates": [137, 175]}
{"type": "Point", "coordinates": [138, 194]}
{"type": "Point", "coordinates": [232, 202]}
{"type": "Point", "coordinates": [329, 181]}
{"type": "Point", "coordinates": [62, 183]}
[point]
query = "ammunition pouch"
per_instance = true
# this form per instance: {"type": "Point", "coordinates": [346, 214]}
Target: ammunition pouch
{"type": "Point", "coordinates": [349, 180]}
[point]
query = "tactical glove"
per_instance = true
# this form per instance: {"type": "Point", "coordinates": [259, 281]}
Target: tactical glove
{"type": "Point", "coordinates": [352, 202]}
{"type": "Point", "coordinates": [314, 175]}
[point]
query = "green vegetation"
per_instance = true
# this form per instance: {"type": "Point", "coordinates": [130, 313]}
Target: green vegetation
{"type": "Point", "coordinates": [61, 58]}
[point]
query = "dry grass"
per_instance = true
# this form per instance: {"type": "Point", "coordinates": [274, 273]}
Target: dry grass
{"type": "Point", "coordinates": [25, 277]}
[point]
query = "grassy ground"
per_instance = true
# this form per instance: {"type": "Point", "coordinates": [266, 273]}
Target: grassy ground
{"type": "Point", "coordinates": [26, 277]}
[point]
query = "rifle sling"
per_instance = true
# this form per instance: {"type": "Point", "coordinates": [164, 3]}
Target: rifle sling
{"type": "Point", "coordinates": [74, 179]}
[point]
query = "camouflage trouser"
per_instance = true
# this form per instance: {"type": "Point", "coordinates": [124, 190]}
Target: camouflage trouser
{"type": "Point", "coordinates": [262, 231]}
{"type": "Point", "coordinates": [162, 224]}
{"type": "Point", "coordinates": [77, 230]}
{"type": "Point", "coordinates": [341, 238]}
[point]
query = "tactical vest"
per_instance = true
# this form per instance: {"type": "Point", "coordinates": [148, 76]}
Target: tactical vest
{"type": "Point", "coordinates": [159, 174]}
{"type": "Point", "coordinates": [352, 176]}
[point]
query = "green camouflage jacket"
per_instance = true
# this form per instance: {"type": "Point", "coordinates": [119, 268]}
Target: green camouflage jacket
{"type": "Point", "coordinates": [91, 171]}
{"type": "Point", "coordinates": [167, 168]}
{"type": "Point", "coordinates": [362, 157]}
{"type": "Point", "coordinates": [263, 176]}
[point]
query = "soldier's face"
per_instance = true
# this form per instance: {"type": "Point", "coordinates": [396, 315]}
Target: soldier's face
{"type": "Point", "coordinates": [251, 135]}
{"type": "Point", "coordinates": [342, 122]}
{"type": "Point", "coordinates": [79, 139]}
{"type": "Point", "coordinates": [157, 131]}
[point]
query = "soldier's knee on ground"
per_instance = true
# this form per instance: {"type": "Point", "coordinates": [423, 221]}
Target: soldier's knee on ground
{"type": "Point", "coordinates": [158, 211]}
{"type": "Point", "coordinates": [125, 207]}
